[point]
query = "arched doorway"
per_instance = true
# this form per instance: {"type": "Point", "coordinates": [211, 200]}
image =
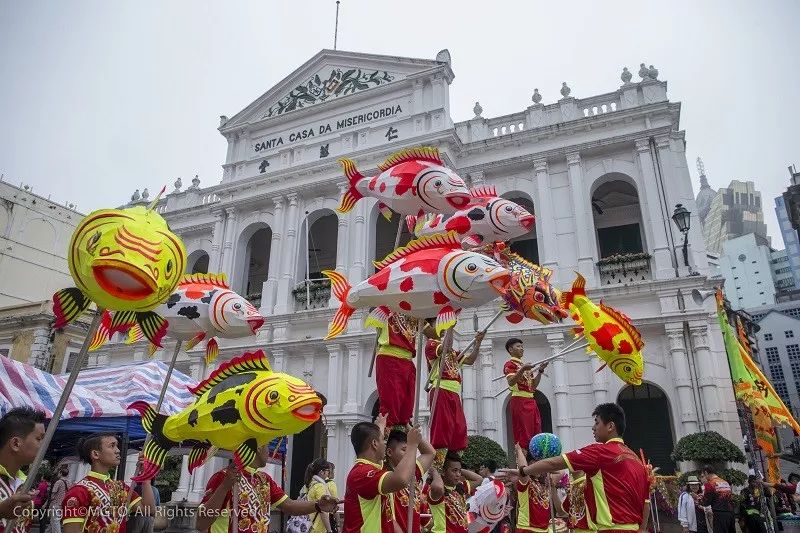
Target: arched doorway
{"type": "Point", "coordinates": [619, 230]}
{"type": "Point", "coordinates": [544, 411]}
{"type": "Point", "coordinates": [306, 446]}
{"type": "Point", "coordinates": [198, 263]}
{"type": "Point", "coordinates": [649, 424]}
{"type": "Point", "coordinates": [318, 241]}
{"type": "Point", "coordinates": [526, 246]}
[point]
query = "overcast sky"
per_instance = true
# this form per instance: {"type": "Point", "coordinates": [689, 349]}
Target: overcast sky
{"type": "Point", "coordinates": [99, 98]}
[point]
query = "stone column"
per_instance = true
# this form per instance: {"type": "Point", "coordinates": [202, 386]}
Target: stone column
{"type": "Point", "coordinates": [336, 445]}
{"type": "Point", "coordinates": [545, 218]}
{"type": "Point", "coordinates": [342, 244]}
{"type": "Point", "coordinates": [182, 492]}
{"type": "Point", "coordinates": [563, 414]}
{"type": "Point", "coordinates": [358, 255]}
{"type": "Point", "coordinates": [308, 369]}
{"type": "Point", "coordinates": [490, 412]}
{"type": "Point", "coordinates": [348, 455]}
{"type": "Point", "coordinates": [662, 256]}
{"type": "Point", "coordinates": [41, 349]}
{"type": "Point", "coordinates": [279, 359]}
{"type": "Point", "coordinates": [682, 378]}
{"type": "Point", "coordinates": [469, 398]}
{"type": "Point", "coordinates": [599, 381]}
{"type": "Point", "coordinates": [353, 373]}
{"type": "Point", "coordinates": [706, 371]}
{"type": "Point", "coordinates": [275, 253]}
{"type": "Point", "coordinates": [335, 356]}
{"type": "Point", "coordinates": [584, 225]}
{"type": "Point", "coordinates": [217, 239]}
{"type": "Point", "coordinates": [477, 178]}
{"type": "Point", "coordinates": [227, 246]}
{"type": "Point", "coordinates": [283, 302]}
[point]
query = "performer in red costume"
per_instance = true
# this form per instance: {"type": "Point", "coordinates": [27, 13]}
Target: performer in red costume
{"type": "Point", "coordinates": [395, 373]}
{"type": "Point", "coordinates": [525, 418]}
{"type": "Point", "coordinates": [448, 425]}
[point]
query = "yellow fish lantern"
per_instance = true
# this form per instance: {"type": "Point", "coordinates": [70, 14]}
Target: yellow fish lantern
{"type": "Point", "coordinates": [609, 333]}
{"type": "Point", "coordinates": [127, 261]}
{"type": "Point", "coordinates": [241, 407]}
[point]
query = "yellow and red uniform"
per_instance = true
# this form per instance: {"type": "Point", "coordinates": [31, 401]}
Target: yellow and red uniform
{"type": "Point", "coordinates": [616, 487]}
{"type": "Point", "coordinates": [448, 425]}
{"type": "Point", "coordinates": [525, 418]}
{"type": "Point", "coordinates": [449, 513]}
{"type": "Point", "coordinates": [533, 511]}
{"type": "Point", "coordinates": [400, 504]}
{"type": "Point", "coordinates": [367, 509]}
{"type": "Point", "coordinates": [96, 502]}
{"type": "Point", "coordinates": [258, 492]}
{"type": "Point", "coordinates": [9, 483]}
{"type": "Point", "coordinates": [395, 373]}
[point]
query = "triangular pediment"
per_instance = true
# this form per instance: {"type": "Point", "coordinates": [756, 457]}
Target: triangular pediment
{"type": "Point", "coordinates": [331, 75]}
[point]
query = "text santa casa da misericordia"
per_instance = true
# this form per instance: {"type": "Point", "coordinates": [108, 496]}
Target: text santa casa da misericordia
{"type": "Point", "coordinates": [322, 129]}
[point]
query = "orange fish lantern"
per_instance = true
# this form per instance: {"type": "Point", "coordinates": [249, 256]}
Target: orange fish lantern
{"type": "Point", "coordinates": [608, 332]}
{"type": "Point", "coordinates": [529, 294]}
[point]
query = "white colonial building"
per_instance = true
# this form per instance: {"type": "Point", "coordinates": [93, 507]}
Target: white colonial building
{"type": "Point", "coordinates": [602, 175]}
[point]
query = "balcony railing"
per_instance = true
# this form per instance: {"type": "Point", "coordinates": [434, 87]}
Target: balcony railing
{"type": "Point", "coordinates": [624, 268]}
{"type": "Point", "coordinates": [312, 294]}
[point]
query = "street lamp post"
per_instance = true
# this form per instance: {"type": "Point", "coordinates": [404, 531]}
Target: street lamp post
{"type": "Point", "coordinates": [683, 219]}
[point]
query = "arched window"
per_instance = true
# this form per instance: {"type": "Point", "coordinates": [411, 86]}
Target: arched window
{"type": "Point", "coordinates": [386, 235]}
{"type": "Point", "coordinates": [526, 246]}
{"type": "Point", "coordinates": [620, 232]}
{"type": "Point", "coordinates": [256, 264]}
{"type": "Point", "coordinates": [200, 264]}
{"type": "Point", "coordinates": [318, 241]}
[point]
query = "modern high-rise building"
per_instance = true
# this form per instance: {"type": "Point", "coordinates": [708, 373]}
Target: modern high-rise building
{"type": "Point", "coordinates": [790, 238]}
{"type": "Point", "coordinates": [746, 265]}
{"type": "Point", "coordinates": [734, 211]}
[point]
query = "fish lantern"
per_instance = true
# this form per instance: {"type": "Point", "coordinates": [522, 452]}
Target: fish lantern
{"type": "Point", "coordinates": [486, 219]}
{"type": "Point", "coordinates": [202, 308]}
{"type": "Point", "coordinates": [126, 261]}
{"type": "Point", "coordinates": [544, 446]}
{"type": "Point", "coordinates": [608, 332]}
{"type": "Point", "coordinates": [431, 276]}
{"type": "Point", "coordinates": [411, 182]}
{"type": "Point", "coordinates": [241, 407]}
{"type": "Point", "coordinates": [487, 506]}
{"type": "Point", "coordinates": [530, 293]}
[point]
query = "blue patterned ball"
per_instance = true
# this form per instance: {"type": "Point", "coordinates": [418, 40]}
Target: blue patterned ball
{"type": "Point", "coordinates": [544, 446]}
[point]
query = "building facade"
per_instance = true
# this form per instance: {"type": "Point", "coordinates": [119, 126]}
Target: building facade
{"type": "Point", "coordinates": [734, 211]}
{"type": "Point", "coordinates": [747, 268]}
{"type": "Point", "coordinates": [34, 234]}
{"type": "Point", "coordinates": [592, 170]}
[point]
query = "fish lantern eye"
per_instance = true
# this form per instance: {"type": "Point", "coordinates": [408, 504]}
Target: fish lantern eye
{"type": "Point", "coordinates": [437, 183]}
{"type": "Point", "coordinates": [472, 267]}
{"type": "Point", "coordinates": [91, 243]}
{"type": "Point", "coordinates": [273, 396]}
{"type": "Point", "coordinates": [238, 307]}
{"type": "Point", "coordinates": [509, 208]}
{"type": "Point", "coordinates": [538, 296]}
{"type": "Point", "coordinates": [169, 267]}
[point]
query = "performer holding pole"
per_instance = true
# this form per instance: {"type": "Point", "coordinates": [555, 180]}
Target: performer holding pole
{"type": "Point", "coordinates": [448, 424]}
{"type": "Point", "coordinates": [526, 421]}
{"type": "Point", "coordinates": [395, 373]}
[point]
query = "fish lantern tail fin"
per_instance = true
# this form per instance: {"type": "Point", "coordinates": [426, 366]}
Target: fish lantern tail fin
{"type": "Point", "coordinates": [103, 333]}
{"type": "Point", "coordinates": [352, 195]}
{"type": "Point", "coordinates": [156, 450]}
{"type": "Point", "coordinates": [68, 305]}
{"type": "Point", "coordinates": [340, 288]}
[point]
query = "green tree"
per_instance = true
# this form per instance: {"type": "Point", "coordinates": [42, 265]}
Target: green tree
{"type": "Point", "coordinates": [710, 448]}
{"type": "Point", "coordinates": [480, 448]}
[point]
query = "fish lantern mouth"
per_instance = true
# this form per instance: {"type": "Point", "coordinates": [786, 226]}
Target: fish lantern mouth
{"type": "Point", "coordinates": [309, 410]}
{"type": "Point", "coordinates": [527, 221]}
{"type": "Point", "coordinates": [255, 324]}
{"type": "Point", "coordinates": [500, 281]}
{"type": "Point", "coordinates": [457, 199]}
{"type": "Point", "coordinates": [123, 280]}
